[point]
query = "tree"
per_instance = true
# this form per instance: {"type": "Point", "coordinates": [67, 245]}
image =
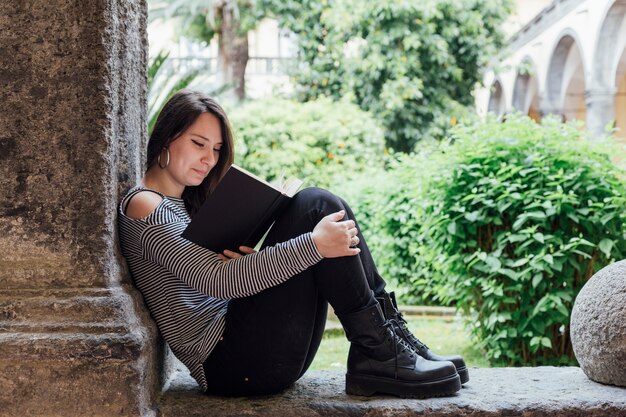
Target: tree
{"type": "Point", "coordinates": [229, 20]}
{"type": "Point", "coordinates": [321, 70]}
{"type": "Point", "coordinates": [413, 65]}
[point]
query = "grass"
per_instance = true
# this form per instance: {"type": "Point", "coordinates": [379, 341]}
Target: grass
{"type": "Point", "coordinates": [443, 336]}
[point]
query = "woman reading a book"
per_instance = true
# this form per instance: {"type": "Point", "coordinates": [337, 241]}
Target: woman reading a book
{"type": "Point", "coordinates": [247, 322]}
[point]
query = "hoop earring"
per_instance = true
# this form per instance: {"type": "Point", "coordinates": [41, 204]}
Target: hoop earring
{"type": "Point", "coordinates": [167, 162]}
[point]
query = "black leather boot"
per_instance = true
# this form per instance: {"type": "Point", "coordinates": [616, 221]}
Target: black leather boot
{"type": "Point", "coordinates": [381, 362]}
{"type": "Point", "coordinates": [391, 312]}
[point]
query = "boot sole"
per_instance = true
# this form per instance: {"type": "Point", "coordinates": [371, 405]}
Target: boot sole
{"type": "Point", "coordinates": [368, 385]}
{"type": "Point", "coordinates": [464, 374]}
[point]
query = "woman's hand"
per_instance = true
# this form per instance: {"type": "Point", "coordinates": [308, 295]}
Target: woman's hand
{"type": "Point", "coordinates": [334, 238]}
{"type": "Point", "coordinates": [229, 254]}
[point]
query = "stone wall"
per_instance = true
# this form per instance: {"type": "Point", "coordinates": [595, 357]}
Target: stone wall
{"type": "Point", "coordinates": [73, 335]}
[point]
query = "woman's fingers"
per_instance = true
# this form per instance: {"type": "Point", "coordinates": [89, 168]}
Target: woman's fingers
{"type": "Point", "coordinates": [335, 217]}
{"type": "Point", "coordinates": [227, 255]}
{"type": "Point", "coordinates": [247, 250]}
{"type": "Point", "coordinates": [231, 254]}
{"type": "Point", "coordinates": [353, 251]}
{"type": "Point", "coordinates": [335, 237]}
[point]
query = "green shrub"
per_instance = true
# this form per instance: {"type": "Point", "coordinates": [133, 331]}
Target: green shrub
{"type": "Point", "coordinates": [322, 142]}
{"type": "Point", "coordinates": [506, 222]}
{"type": "Point", "coordinates": [517, 218]}
{"type": "Point", "coordinates": [389, 207]}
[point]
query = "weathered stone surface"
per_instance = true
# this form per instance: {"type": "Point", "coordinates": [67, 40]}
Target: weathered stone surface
{"type": "Point", "coordinates": [75, 339]}
{"type": "Point", "coordinates": [19, 308]}
{"type": "Point", "coordinates": [75, 352]}
{"type": "Point", "coordinates": [73, 120]}
{"type": "Point", "coordinates": [598, 325]}
{"type": "Point", "coordinates": [66, 375]}
{"type": "Point", "coordinates": [527, 392]}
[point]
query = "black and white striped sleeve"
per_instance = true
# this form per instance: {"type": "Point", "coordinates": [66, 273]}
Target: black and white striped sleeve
{"type": "Point", "coordinates": [201, 268]}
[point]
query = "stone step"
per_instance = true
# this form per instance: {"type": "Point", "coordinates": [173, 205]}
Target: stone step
{"type": "Point", "coordinates": [60, 310]}
{"type": "Point", "coordinates": [61, 374]}
{"type": "Point", "coordinates": [76, 351]}
{"type": "Point", "coordinates": [491, 392]}
{"type": "Point", "coordinates": [55, 346]}
{"type": "Point", "coordinates": [67, 327]}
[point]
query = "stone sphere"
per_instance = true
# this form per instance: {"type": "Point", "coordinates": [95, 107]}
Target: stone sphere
{"type": "Point", "coordinates": [598, 326]}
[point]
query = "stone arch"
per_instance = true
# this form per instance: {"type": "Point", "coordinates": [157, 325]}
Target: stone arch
{"type": "Point", "coordinates": [609, 75]}
{"type": "Point", "coordinates": [565, 82]}
{"type": "Point", "coordinates": [526, 89]}
{"type": "Point", "coordinates": [497, 99]}
{"type": "Point", "coordinates": [611, 33]}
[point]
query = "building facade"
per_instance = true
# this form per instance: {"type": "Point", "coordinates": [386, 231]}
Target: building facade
{"type": "Point", "coordinates": [271, 51]}
{"type": "Point", "coordinates": [570, 61]}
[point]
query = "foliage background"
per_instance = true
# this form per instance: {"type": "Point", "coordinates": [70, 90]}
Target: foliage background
{"type": "Point", "coordinates": [323, 142]}
{"type": "Point", "coordinates": [506, 222]}
{"type": "Point", "coordinates": [413, 65]}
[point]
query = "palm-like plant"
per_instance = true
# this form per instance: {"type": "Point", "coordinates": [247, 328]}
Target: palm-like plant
{"type": "Point", "coordinates": [163, 82]}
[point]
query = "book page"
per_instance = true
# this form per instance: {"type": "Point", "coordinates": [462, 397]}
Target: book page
{"type": "Point", "coordinates": [291, 186]}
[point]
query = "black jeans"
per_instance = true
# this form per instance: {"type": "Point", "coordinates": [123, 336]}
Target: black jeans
{"type": "Point", "coordinates": [271, 337]}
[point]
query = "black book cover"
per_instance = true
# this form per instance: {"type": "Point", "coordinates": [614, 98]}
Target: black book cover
{"type": "Point", "coordinates": [238, 212]}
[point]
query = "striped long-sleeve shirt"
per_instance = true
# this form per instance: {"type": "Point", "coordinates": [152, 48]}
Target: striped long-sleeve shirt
{"type": "Point", "coordinates": [187, 287]}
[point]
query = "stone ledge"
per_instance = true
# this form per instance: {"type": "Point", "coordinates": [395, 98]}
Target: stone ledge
{"type": "Point", "coordinates": [84, 305]}
{"type": "Point", "coordinates": [527, 392]}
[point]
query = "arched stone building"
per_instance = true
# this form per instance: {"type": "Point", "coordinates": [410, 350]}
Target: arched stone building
{"type": "Point", "coordinates": [569, 60]}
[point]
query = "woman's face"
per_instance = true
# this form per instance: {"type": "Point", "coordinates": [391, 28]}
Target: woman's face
{"type": "Point", "coordinates": [196, 151]}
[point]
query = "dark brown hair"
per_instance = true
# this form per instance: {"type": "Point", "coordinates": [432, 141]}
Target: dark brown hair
{"type": "Point", "coordinates": [178, 114]}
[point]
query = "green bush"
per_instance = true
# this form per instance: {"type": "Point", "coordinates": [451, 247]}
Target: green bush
{"type": "Point", "coordinates": [389, 207]}
{"type": "Point", "coordinates": [517, 219]}
{"type": "Point", "coordinates": [322, 142]}
{"type": "Point", "coordinates": [506, 222]}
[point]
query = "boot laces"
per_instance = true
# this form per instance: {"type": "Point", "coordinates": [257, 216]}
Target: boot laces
{"type": "Point", "coordinates": [401, 324]}
{"type": "Point", "coordinates": [406, 347]}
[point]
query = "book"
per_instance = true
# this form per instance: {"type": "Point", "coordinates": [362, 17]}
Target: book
{"type": "Point", "coordinates": [240, 211]}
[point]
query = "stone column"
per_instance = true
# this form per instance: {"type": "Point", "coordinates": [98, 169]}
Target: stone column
{"type": "Point", "coordinates": [74, 339]}
{"type": "Point", "coordinates": [547, 109]}
{"type": "Point", "coordinates": [600, 109]}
